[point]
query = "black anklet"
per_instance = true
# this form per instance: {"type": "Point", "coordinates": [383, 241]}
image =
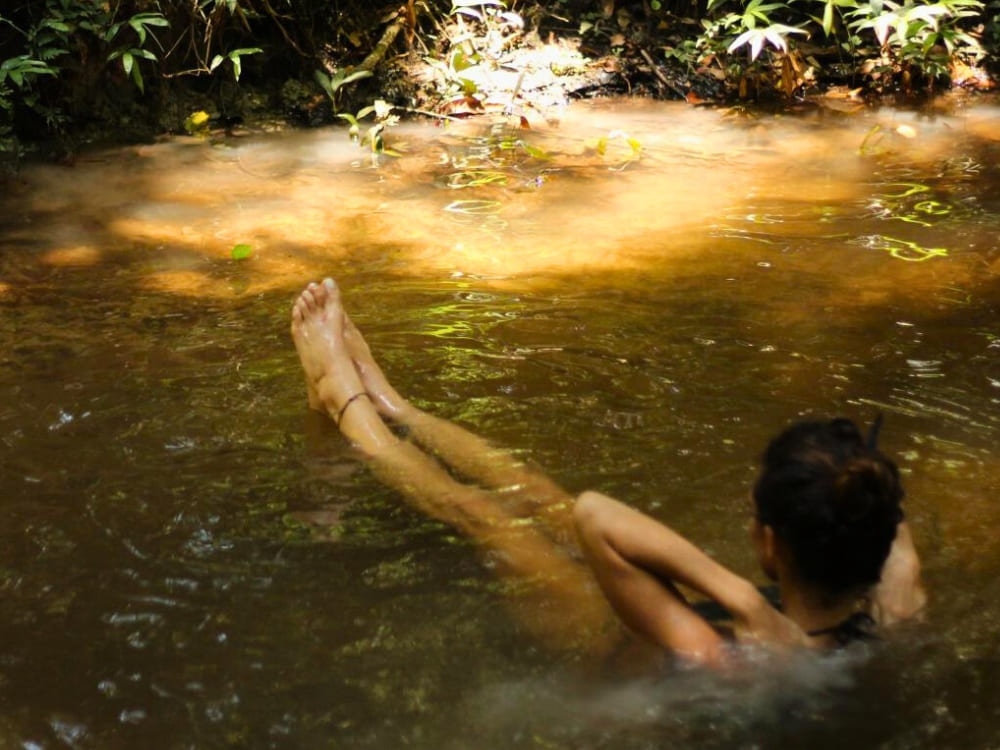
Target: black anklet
{"type": "Point", "coordinates": [351, 400]}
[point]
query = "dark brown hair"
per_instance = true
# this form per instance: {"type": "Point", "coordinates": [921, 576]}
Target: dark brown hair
{"type": "Point", "coordinates": [834, 499]}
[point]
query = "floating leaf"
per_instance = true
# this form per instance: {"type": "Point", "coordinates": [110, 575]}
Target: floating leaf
{"type": "Point", "coordinates": [475, 178]}
{"type": "Point", "coordinates": [912, 188]}
{"type": "Point", "coordinates": [534, 151]}
{"type": "Point", "coordinates": [911, 251]}
{"type": "Point", "coordinates": [241, 251]}
{"type": "Point", "coordinates": [474, 207]}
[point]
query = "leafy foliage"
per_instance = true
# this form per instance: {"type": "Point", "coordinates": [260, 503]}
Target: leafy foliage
{"type": "Point", "coordinates": [62, 61]}
{"type": "Point", "coordinates": [61, 55]}
{"type": "Point", "coordinates": [899, 38]}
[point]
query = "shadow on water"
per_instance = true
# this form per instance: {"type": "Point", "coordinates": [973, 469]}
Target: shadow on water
{"type": "Point", "coordinates": [189, 561]}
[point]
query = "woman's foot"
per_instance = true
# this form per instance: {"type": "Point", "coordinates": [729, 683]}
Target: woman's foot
{"type": "Point", "coordinates": [386, 398]}
{"type": "Point", "coordinates": [333, 384]}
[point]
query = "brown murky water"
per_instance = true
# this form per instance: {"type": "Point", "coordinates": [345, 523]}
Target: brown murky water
{"type": "Point", "coordinates": [188, 560]}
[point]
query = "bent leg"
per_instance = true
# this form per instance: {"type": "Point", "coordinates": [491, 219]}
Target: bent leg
{"type": "Point", "coordinates": [555, 597]}
{"type": "Point", "coordinates": [527, 491]}
{"type": "Point", "coordinates": [563, 607]}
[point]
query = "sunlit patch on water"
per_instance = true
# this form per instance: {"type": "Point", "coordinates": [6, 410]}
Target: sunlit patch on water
{"type": "Point", "coordinates": [298, 195]}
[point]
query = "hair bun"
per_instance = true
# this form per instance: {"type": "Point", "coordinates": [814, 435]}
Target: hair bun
{"type": "Point", "coordinates": [845, 430]}
{"type": "Point", "coordinates": [863, 487]}
{"type": "Point", "coordinates": [833, 498]}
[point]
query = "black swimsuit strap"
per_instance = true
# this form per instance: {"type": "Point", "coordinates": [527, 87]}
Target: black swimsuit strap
{"type": "Point", "coordinates": [858, 627]}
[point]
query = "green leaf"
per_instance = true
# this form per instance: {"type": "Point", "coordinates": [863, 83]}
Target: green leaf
{"type": "Point", "coordinates": [324, 81]}
{"type": "Point", "coordinates": [357, 75]}
{"type": "Point", "coordinates": [216, 62]}
{"type": "Point", "coordinates": [152, 19]}
{"type": "Point", "coordinates": [137, 79]}
{"type": "Point", "coordinates": [459, 61]}
{"type": "Point", "coordinates": [244, 51]}
{"type": "Point", "coordinates": [139, 29]}
{"type": "Point", "coordinates": [241, 251]}
{"type": "Point", "coordinates": [534, 151]}
{"type": "Point", "coordinates": [127, 62]}
{"type": "Point", "coordinates": [237, 67]}
{"type": "Point", "coordinates": [52, 52]}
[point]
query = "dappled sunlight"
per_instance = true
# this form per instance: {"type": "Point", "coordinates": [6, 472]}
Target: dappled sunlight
{"type": "Point", "coordinates": [81, 255]}
{"type": "Point", "coordinates": [984, 122]}
{"type": "Point", "coordinates": [187, 283]}
{"type": "Point", "coordinates": [599, 189]}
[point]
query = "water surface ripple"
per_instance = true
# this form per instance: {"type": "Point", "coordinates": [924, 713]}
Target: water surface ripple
{"type": "Point", "coordinates": [188, 559]}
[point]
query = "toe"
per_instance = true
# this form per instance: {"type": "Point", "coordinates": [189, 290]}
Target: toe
{"type": "Point", "coordinates": [303, 302]}
{"type": "Point", "coordinates": [331, 291]}
{"type": "Point", "coordinates": [320, 293]}
{"type": "Point", "coordinates": [309, 297]}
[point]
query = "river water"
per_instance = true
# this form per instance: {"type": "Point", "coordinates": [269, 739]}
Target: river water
{"type": "Point", "coordinates": [631, 295]}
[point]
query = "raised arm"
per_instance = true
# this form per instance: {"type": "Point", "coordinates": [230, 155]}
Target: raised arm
{"type": "Point", "coordinates": [900, 593]}
{"type": "Point", "coordinates": [638, 562]}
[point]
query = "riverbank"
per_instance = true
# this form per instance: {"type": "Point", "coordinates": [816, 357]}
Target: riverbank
{"type": "Point", "coordinates": [366, 69]}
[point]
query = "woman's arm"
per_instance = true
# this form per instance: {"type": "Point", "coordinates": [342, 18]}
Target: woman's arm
{"type": "Point", "coordinates": [900, 593]}
{"type": "Point", "coordinates": [637, 562]}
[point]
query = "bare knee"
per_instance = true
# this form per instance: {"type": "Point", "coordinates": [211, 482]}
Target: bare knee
{"type": "Point", "coordinates": [587, 512]}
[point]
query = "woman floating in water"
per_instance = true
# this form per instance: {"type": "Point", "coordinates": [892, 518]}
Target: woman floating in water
{"type": "Point", "coordinates": [828, 527]}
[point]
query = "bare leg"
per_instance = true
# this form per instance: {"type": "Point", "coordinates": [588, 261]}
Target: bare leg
{"type": "Point", "coordinates": [468, 453]}
{"type": "Point", "coordinates": [563, 606]}
{"type": "Point", "coordinates": [331, 378]}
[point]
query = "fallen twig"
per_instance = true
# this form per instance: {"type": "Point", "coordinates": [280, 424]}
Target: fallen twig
{"type": "Point", "coordinates": [660, 77]}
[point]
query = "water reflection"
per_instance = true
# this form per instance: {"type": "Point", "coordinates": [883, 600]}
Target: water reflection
{"type": "Point", "coordinates": [188, 561]}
